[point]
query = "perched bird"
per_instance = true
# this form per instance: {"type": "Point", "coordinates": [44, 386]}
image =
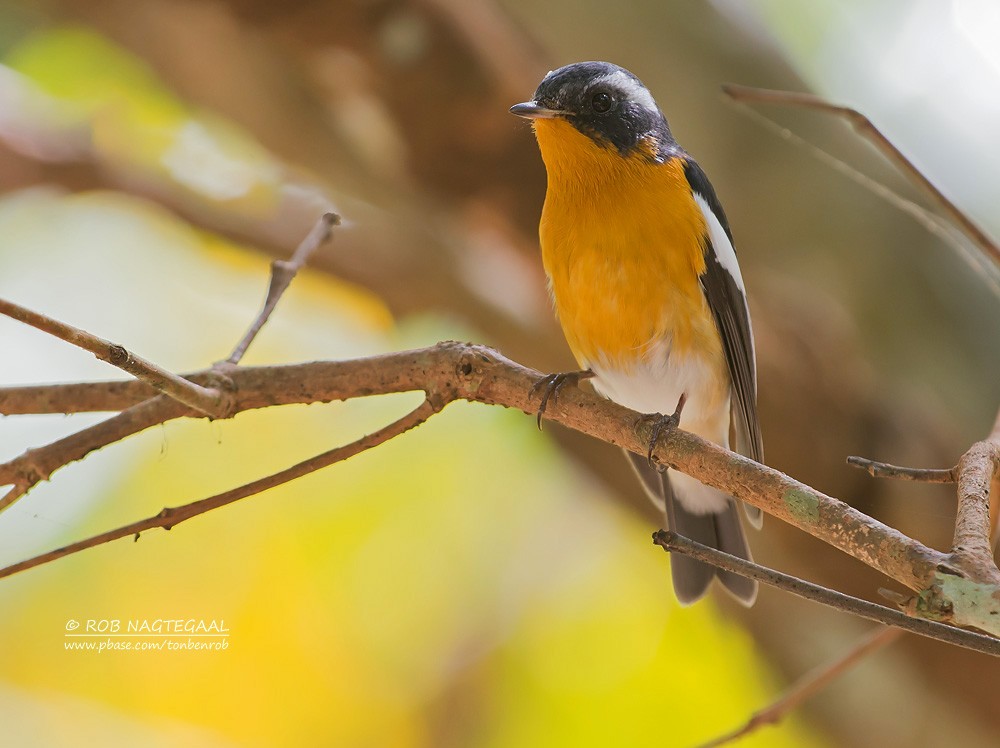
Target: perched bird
{"type": "Point", "coordinates": [644, 277]}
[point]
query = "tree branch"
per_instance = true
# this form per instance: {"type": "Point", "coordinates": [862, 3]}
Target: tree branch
{"type": "Point", "coordinates": [919, 475]}
{"type": "Point", "coordinates": [971, 560]}
{"type": "Point", "coordinates": [33, 466]}
{"type": "Point", "coordinates": [207, 400]}
{"type": "Point", "coordinates": [77, 397]}
{"type": "Point", "coordinates": [282, 274]}
{"type": "Point", "coordinates": [170, 517]}
{"type": "Point", "coordinates": [674, 543]}
{"type": "Point", "coordinates": [972, 549]}
{"type": "Point", "coordinates": [476, 373]}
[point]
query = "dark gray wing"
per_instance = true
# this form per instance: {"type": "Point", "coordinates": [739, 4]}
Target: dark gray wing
{"type": "Point", "coordinates": [722, 285]}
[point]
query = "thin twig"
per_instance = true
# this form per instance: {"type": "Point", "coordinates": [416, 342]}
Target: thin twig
{"type": "Point", "coordinates": [672, 542]}
{"type": "Point", "coordinates": [33, 466]}
{"type": "Point", "coordinates": [170, 517]}
{"type": "Point", "coordinates": [867, 130]}
{"type": "Point", "coordinates": [282, 274]}
{"type": "Point", "coordinates": [810, 684]}
{"type": "Point", "coordinates": [64, 396]}
{"type": "Point", "coordinates": [932, 223]}
{"type": "Point", "coordinates": [207, 400]}
{"type": "Point", "coordinates": [76, 397]}
{"type": "Point", "coordinates": [919, 475]}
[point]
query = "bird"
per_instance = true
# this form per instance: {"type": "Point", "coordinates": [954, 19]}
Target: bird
{"type": "Point", "coordinates": [645, 282]}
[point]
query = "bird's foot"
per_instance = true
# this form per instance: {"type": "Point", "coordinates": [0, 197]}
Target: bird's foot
{"type": "Point", "coordinates": [552, 384]}
{"type": "Point", "coordinates": [661, 425]}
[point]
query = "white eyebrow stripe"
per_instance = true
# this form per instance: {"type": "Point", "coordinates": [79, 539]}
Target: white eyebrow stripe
{"type": "Point", "coordinates": [635, 90]}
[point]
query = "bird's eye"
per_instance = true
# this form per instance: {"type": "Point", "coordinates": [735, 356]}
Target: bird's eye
{"type": "Point", "coordinates": [601, 102]}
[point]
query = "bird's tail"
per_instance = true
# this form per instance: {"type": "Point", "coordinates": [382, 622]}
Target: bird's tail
{"type": "Point", "coordinates": [721, 530]}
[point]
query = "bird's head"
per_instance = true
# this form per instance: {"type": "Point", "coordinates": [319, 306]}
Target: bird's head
{"type": "Point", "coordinates": [603, 102]}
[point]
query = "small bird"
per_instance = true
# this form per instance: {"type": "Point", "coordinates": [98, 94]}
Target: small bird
{"type": "Point", "coordinates": [645, 282]}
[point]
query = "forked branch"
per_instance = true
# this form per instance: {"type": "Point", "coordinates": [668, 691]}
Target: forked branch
{"type": "Point", "coordinates": [204, 399]}
{"type": "Point", "coordinates": [144, 408]}
{"type": "Point", "coordinates": [674, 543]}
{"type": "Point", "coordinates": [947, 589]}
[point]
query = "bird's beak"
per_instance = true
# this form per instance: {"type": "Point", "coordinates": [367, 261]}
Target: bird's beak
{"type": "Point", "coordinates": [531, 110]}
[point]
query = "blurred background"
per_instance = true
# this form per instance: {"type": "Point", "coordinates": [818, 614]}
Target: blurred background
{"type": "Point", "coordinates": [476, 582]}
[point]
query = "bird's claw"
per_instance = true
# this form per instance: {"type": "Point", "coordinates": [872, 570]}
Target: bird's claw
{"type": "Point", "coordinates": [661, 425]}
{"type": "Point", "coordinates": [552, 385]}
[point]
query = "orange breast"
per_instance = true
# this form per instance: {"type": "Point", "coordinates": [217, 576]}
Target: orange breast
{"type": "Point", "coordinates": [622, 246]}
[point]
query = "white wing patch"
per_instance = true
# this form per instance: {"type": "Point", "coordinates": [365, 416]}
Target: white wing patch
{"type": "Point", "coordinates": [720, 242]}
{"type": "Point", "coordinates": [727, 256]}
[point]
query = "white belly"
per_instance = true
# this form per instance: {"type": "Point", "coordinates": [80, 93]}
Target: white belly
{"type": "Point", "coordinates": [655, 385]}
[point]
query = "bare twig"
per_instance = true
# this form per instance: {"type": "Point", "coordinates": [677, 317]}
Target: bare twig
{"type": "Point", "coordinates": [981, 263]}
{"type": "Point", "coordinates": [36, 465]}
{"type": "Point", "coordinates": [810, 684]}
{"type": "Point", "coordinates": [866, 129]}
{"type": "Point", "coordinates": [76, 397]}
{"type": "Point", "coordinates": [33, 466]}
{"type": "Point", "coordinates": [170, 517]}
{"type": "Point", "coordinates": [93, 397]}
{"type": "Point", "coordinates": [282, 273]}
{"type": "Point", "coordinates": [672, 542]}
{"type": "Point", "coordinates": [921, 215]}
{"type": "Point", "coordinates": [207, 400]}
{"type": "Point", "coordinates": [979, 467]}
{"type": "Point", "coordinates": [885, 470]}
